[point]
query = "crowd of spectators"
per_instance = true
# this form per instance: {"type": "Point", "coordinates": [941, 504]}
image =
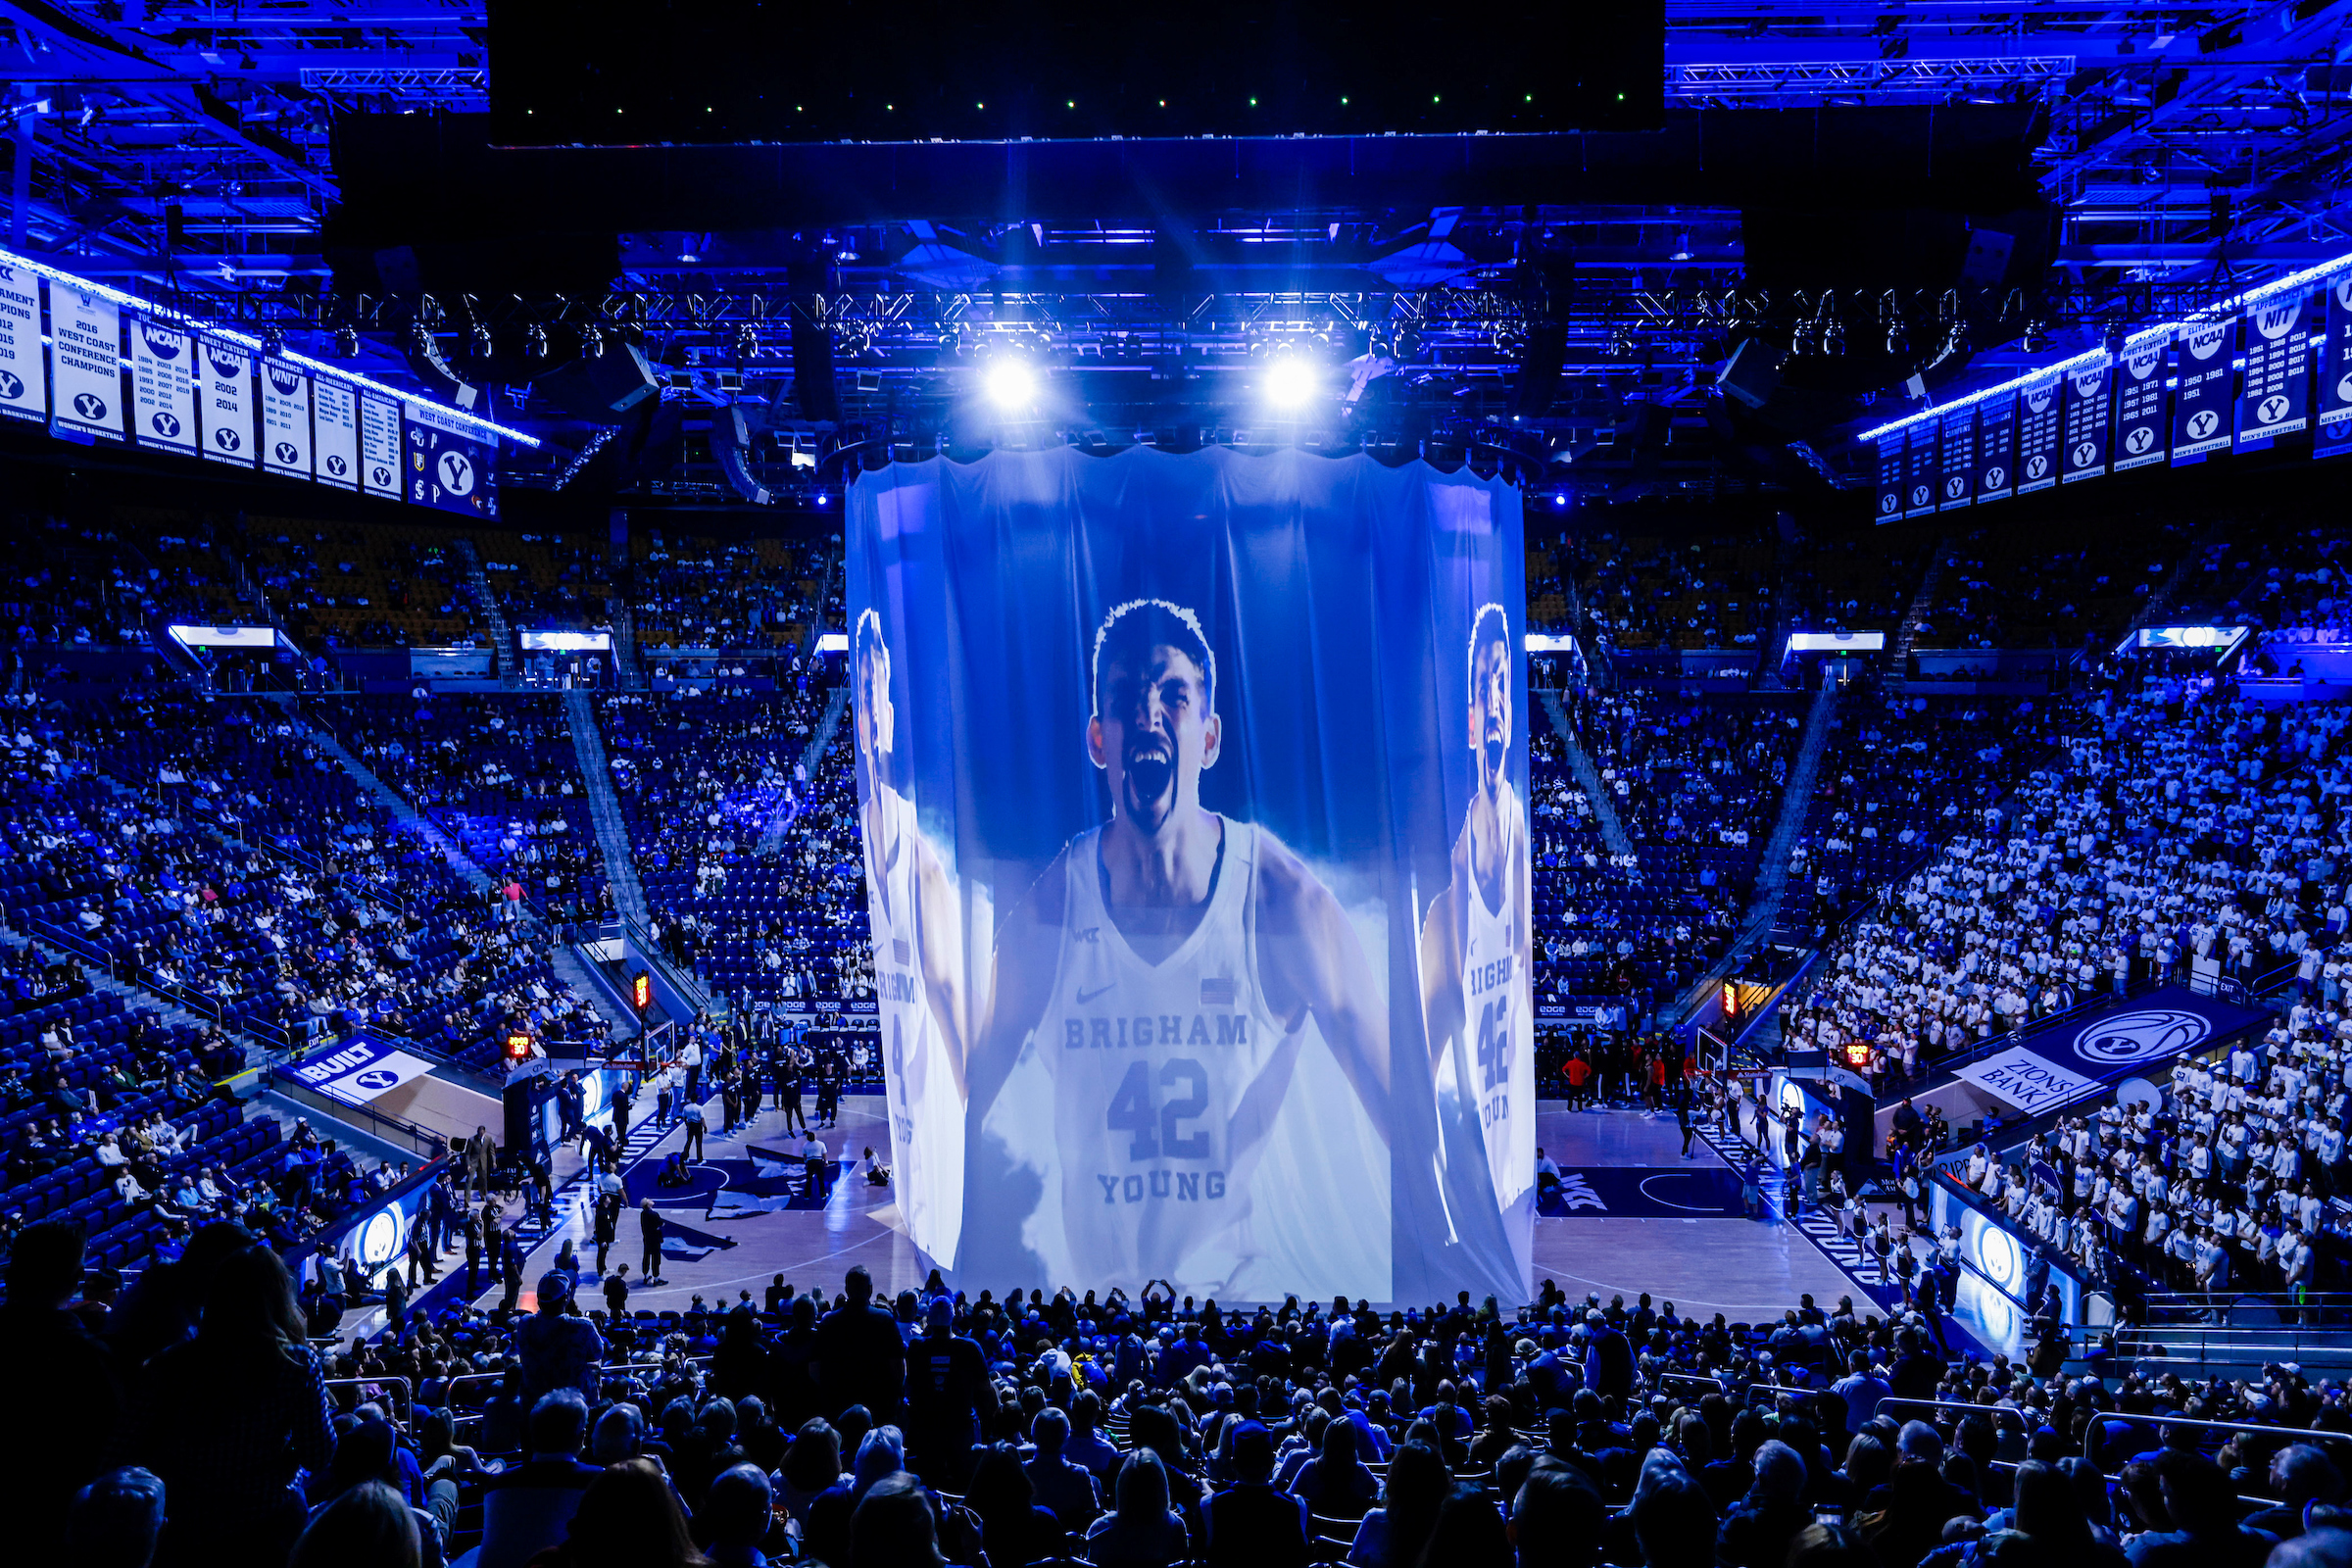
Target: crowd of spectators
{"type": "Point", "coordinates": [548, 581]}
{"type": "Point", "coordinates": [698, 592]}
{"type": "Point", "coordinates": [2047, 587]}
{"type": "Point", "coordinates": [108, 584]}
{"type": "Point", "coordinates": [365, 585]}
{"type": "Point", "coordinates": [1655, 592]}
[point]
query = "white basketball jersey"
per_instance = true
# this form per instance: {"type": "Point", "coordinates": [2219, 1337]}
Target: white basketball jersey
{"type": "Point", "coordinates": [1498, 1029]}
{"type": "Point", "coordinates": [926, 1114]}
{"type": "Point", "coordinates": [1166, 1078]}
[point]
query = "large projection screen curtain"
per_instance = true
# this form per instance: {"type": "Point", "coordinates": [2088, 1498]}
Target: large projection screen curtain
{"type": "Point", "coordinates": [1193, 794]}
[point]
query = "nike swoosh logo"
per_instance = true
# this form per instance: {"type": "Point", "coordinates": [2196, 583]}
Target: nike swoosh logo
{"type": "Point", "coordinates": [1085, 997]}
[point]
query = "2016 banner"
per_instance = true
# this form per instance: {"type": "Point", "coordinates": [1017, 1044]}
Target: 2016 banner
{"type": "Point", "coordinates": [285, 420]}
{"type": "Point", "coordinates": [2201, 400]}
{"type": "Point", "coordinates": [23, 368]}
{"type": "Point", "coordinates": [86, 338]}
{"type": "Point", "coordinates": [228, 411]}
{"type": "Point", "coordinates": [2274, 398]}
{"type": "Point", "coordinates": [1198, 865]}
{"type": "Point", "coordinates": [163, 385]}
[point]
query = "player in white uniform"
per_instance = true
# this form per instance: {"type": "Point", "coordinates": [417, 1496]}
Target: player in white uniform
{"type": "Point", "coordinates": [1476, 948]}
{"type": "Point", "coordinates": [1165, 965]}
{"type": "Point", "coordinates": [918, 973]}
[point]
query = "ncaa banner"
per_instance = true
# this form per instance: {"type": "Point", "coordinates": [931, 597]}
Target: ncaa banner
{"type": "Point", "coordinates": [24, 369]}
{"type": "Point", "coordinates": [162, 386]}
{"type": "Point", "coordinates": [2038, 432]}
{"type": "Point", "coordinates": [1996, 448]}
{"type": "Point", "coordinates": [1920, 460]}
{"type": "Point", "coordinates": [1196, 849]}
{"type": "Point", "coordinates": [335, 430]}
{"type": "Point", "coordinates": [2089, 406]}
{"type": "Point", "coordinates": [1892, 450]}
{"type": "Point", "coordinates": [2336, 373]}
{"type": "Point", "coordinates": [85, 333]}
{"type": "Point", "coordinates": [227, 402]}
{"type": "Point", "coordinates": [2201, 397]}
{"type": "Point", "coordinates": [379, 446]}
{"type": "Point", "coordinates": [1957, 487]}
{"type": "Point", "coordinates": [285, 420]}
{"type": "Point", "coordinates": [448, 470]}
{"type": "Point", "coordinates": [2139, 405]}
{"type": "Point", "coordinates": [2276, 397]}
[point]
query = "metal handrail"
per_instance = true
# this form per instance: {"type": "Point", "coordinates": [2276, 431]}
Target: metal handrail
{"type": "Point", "coordinates": [408, 1391]}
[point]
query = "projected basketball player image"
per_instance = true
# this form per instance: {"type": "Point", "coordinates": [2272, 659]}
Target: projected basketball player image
{"type": "Point", "coordinates": [918, 972]}
{"type": "Point", "coordinates": [1476, 952]}
{"type": "Point", "coordinates": [1164, 970]}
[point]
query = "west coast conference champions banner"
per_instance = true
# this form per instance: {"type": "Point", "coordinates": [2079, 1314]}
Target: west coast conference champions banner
{"type": "Point", "coordinates": [2109, 415]}
{"type": "Point", "coordinates": [1198, 866]}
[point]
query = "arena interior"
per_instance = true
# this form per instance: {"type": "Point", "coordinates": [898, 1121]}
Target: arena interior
{"type": "Point", "coordinates": [738, 824]}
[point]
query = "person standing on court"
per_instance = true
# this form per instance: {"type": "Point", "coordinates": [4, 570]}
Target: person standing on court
{"type": "Point", "coordinates": [651, 1225]}
{"type": "Point", "coordinates": [691, 1114]}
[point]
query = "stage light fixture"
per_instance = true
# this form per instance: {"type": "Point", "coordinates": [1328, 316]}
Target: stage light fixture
{"type": "Point", "coordinates": [592, 344]}
{"type": "Point", "coordinates": [535, 342]}
{"type": "Point", "coordinates": [347, 342]}
{"type": "Point", "coordinates": [1289, 381]}
{"type": "Point", "coordinates": [1011, 382]}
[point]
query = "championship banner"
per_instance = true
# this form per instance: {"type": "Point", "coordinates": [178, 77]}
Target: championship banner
{"type": "Point", "coordinates": [1959, 459]}
{"type": "Point", "coordinates": [24, 369]}
{"type": "Point", "coordinates": [448, 470]}
{"type": "Point", "coordinates": [1921, 480]}
{"type": "Point", "coordinates": [335, 431]}
{"type": "Point", "coordinates": [2089, 406]}
{"type": "Point", "coordinates": [2139, 405]}
{"type": "Point", "coordinates": [2201, 397]}
{"type": "Point", "coordinates": [1892, 450]}
{"type": "Point", "coordinates": [85, 337]}
{"type": "Point", "coordinates": [379, 446]}
{"type": "Point", "coordinates": [1193, 795]}
{"type": "Point", "coordinates": [1996, 448]}
{"type": "Point", "coordinates": [228, 430]}
{"type": "Point", "coordinates": [2274, 400]}
{"type": "Point", "coordinates": [285, 420]}
{"type": "Point", "coordinates": [162, 386]}
{"type": "Point", "coordinates": [2336, 373]}
{"type": "Point", "coordinates": [2038, 432]}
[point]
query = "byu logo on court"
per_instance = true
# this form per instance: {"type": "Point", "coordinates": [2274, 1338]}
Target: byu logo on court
{"type": "Point", "coordinates": [377, 1078]}
{"type": "Point", "coordinates": [2128, 1037]}
{"type": "Point", "coordinates": [457, 474]}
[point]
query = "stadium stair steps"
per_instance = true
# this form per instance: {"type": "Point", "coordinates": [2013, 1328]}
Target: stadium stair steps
{"type": "Point", "coordinates": [406, 816]}
{"type": "Point", "coordinates": [779, 828]}
{"type": "Point", "coordinates": [604, 809]}
{"type": "Point", "coordinates": [502, 636]}
{"type": "Point", "coordinates": [624, 645]}
{"type": "Point", "coordinates": [2152, 612]}
{"type": "Point", "coordinates": [1604, 807]}
{"type": "Point", "coordinates": [573, 972]}
{"type": "Point", "coordinates": [1921, 603]}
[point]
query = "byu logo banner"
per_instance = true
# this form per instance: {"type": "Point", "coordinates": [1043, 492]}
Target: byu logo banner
{"type": "Point", "coordinates": [2201, 399]}
{"type": "Point", "coordinates": [2139, 405]}
{"type": "Point", "coordinates": [379, 446]}
{"type": "Point", "coordinates": [2038, 432]}
{"type": "Point", "coordinates": [226, 406]}
{"type": "Point", "coordinates": [1891, 476]}
{"type": "Point", "coordinates": [2136, 1035]}
{"type": "Point", "coordinates": [1958, 466]}
{"type": "Point", "coordinates": [285, 420]}
{"type": "Point", "coordinates": [1996, 448]}
{"type": "Point", "coordinates": [445, 466]}
{"type": "Point", "coordinates": [2089, 402]}
{"type": "Point", "coordinates": [162, 386]}
{"type": "Point", "coordinates": [2336, 373]}
{"type": "Point", "coordinates": [85, 334]}
{"type": "Point", "coordinates": [335, 431]}
{"type": "Point", "coordinates": [2275, 399]}
{"type": "Point", "coordinates": [24, 369]}
{"type": "Point", "coordinates": [1922, 483]}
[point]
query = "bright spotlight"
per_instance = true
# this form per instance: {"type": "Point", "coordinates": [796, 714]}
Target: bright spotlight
{"type": "Point", "coordinates": [1289, 381]}
{"type": "Point", "coordinates": [1012, 384]}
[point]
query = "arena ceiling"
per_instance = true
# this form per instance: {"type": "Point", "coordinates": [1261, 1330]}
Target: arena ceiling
{"type": "Point", "coordinates": [1964, 180]}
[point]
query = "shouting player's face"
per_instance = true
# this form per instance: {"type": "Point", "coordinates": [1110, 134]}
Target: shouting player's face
{"type": "Point", "coordinates": [874, 715]}
{"type": "Point", "coordinates": [1491, 710]}
{"type": "Point", "coordinates": [1153, 736]}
